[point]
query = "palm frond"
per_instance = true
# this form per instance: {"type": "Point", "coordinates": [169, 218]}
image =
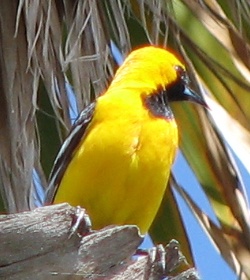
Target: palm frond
{"type": "Point", "coordinates": [18, 144]}
{"type": "Point", "coordinates": [47, 45]}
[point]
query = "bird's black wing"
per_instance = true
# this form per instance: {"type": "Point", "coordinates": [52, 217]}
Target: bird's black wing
{"type": "Point", "coordinates": [65, 154]}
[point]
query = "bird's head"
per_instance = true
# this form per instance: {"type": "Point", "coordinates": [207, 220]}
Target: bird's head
{"type": "Point", "coordinates": [154, 70]}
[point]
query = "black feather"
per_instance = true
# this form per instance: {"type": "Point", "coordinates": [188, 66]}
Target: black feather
{"type": "Point", "coordinates": [67, 150]}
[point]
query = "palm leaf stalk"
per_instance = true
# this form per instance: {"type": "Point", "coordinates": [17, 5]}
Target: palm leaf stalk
{"type": "Point", "coordinates": [47, 45]}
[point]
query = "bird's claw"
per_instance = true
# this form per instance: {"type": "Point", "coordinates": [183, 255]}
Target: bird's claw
{"type": "Point", "coordinates": [81, 223]}
{"type": "Point", "coordinates": [163, 261]}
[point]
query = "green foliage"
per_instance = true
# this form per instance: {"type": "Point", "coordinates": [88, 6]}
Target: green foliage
{"type": "Point", "coordinates": [43, 43]}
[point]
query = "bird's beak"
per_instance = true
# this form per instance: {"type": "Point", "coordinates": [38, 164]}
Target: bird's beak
{"type": "Point", "coordinates": [192, 96]}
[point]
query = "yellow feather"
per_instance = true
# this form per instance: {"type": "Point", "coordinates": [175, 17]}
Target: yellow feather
{"type": "Point", "coordinates": [119, 170]}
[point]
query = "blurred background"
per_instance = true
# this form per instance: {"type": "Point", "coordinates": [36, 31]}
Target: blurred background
{"type": "Point", "coordinates": [57, 56]}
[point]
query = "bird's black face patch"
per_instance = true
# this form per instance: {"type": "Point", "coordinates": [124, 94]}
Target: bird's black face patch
{"type": "Point", "coordinates": [182, 74]}
{"type": "Point", "coordinates": [175, 91]}
{"type": "Point", "coordinates": [158, 102]}
{"type": "Point", "coordinates": [158, 105]}
{"type": "Point", "coordinates": [180, 91]}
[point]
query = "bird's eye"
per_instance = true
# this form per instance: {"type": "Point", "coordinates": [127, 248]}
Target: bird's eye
{"type": "Point", "coordinates": [182, 74]}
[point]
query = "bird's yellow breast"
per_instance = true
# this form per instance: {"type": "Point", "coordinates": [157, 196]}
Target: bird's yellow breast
{"type": "Point", "coordinates": [121, 167]}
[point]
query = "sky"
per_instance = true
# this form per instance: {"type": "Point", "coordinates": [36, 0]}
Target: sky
{"type": "Point", "coordinates": [210, 264]}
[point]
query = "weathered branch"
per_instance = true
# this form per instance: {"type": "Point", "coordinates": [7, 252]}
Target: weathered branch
{"type": "Point", "coordinates": [39, 245]}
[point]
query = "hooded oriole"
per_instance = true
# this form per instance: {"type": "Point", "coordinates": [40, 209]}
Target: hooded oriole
{"type": "Point", "coordinates": [117, 158]}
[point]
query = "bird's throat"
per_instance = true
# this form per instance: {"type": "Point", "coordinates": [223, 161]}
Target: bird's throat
{"type": "Point", "coordinates": [158, 105]}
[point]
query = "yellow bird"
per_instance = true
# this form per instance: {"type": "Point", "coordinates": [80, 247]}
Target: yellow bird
{"type": "Point", "coordinates": [117, 158]}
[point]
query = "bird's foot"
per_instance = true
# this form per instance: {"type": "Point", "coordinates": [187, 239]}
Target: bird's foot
{"type": "Point", "coordinates": [164, 262]}
{"type": "Point", "coordinates": [81, 223]}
